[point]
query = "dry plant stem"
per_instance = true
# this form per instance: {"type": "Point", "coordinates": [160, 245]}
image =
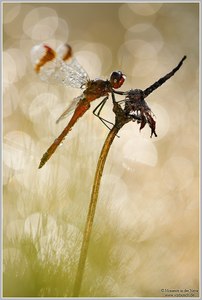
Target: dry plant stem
{"type": "Point", "coordinates": [121, 119]}
{"type": "Point", "coordinates": [91, 211]}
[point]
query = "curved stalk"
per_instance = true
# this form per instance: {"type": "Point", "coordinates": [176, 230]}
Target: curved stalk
{"type": "Point", "coordinates": [121, 119]}
{"type": "Point", "coordinates": [122, 116]}
{"type": "Point", "coordinates": [92, 208]}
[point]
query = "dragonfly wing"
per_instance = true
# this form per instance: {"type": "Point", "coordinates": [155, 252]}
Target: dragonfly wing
{"type": "Point", "coordinates": [72, 72]}
{"type": "Point", "coordinates": [58, 66]}
{"type": "Point", "coordinates": [69, 109]}
{"type": "Point", "coordinates": [44, 60]}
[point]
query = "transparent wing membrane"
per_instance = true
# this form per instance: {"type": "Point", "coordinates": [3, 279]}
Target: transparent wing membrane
{"type": "Point", "coordinates": [58, 67]}
{"type": "Point", "coordinates": [73, 74]}
{"type": "Point", "coordinates": [70, 108]}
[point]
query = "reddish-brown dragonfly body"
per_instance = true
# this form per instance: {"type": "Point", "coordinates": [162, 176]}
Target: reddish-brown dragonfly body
{"type": "Point", "coordinates": [59, 66]}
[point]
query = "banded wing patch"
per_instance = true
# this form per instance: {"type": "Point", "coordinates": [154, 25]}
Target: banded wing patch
{"type": "Point", "coordinates": [58, 67]}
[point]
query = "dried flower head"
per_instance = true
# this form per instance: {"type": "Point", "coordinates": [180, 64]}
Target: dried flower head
{"type": "Point", "coordinates": [136, 106]}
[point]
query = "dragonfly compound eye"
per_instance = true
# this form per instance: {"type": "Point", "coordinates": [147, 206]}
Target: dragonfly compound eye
{"type": "Point", "coordinates": [117, 78]}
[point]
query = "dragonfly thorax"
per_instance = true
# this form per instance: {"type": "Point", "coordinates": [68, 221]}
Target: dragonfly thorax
{"type": "Point", "coordinates": [97, 88]}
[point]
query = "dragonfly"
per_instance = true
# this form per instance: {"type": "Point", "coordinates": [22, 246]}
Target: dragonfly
{"type": "Point", "coordinates": [59, 66]}
{"type": "Point", "coordinates": [136, 106]}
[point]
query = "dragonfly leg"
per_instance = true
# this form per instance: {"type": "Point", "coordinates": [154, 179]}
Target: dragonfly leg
{"type": "Point", "coordinates": [113, 98]}
{"type": "Point", "coordinates": [119, 92]}
{"type": "Point", "coordinates": [97, 114]}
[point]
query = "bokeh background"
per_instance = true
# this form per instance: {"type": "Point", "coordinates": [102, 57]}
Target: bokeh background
{"type": "Point", "coordinates": [145, 235]}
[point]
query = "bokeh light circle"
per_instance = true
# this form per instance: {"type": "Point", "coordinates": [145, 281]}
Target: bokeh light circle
{"type": "Point", "coordinates": [140, 48]}
{"type": "Point", "coordinates": [140, 55]}
{"type": "Point", "coordinates": [62, 31]}
{"type": "Point", "coordinates": [103, 53]}
{"type": "Point", "coordinates": [18, 150]}
{"type": "Point", "coordinates": [10, 71]}
{"type": "Point", "coordinates": [162, 120]}
{"type": "Point", "coordinates": [145, 9]}
{"type": "Point", "coordinates": [11, 100]}
{"type": "Point", "coordinates": [147, 32]}
{"type": "Point", "coordinates": [11, 12]}
{"type": "Point", "coordinates": [118, 191]}
{"type": "Point", "coordinates": [43, 179]}
{"type": "Point", "coordinates": [90, 61]}
{"type": "Point", "coordinates": [139, 150]}
{"type": "Point", "coordinates": [39, 224]}
{"type": "Point", "coordinates": [177, 173]}
{"type": "Point", "coordinates": [41, 106]}
{"type": "Point", "coordinates": [40, 23]}
{"type": "Point", "coordinates": [20, 61]}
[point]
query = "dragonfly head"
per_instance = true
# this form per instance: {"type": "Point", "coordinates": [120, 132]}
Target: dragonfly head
{"type": "Point", "coordinates": [117, 78]}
